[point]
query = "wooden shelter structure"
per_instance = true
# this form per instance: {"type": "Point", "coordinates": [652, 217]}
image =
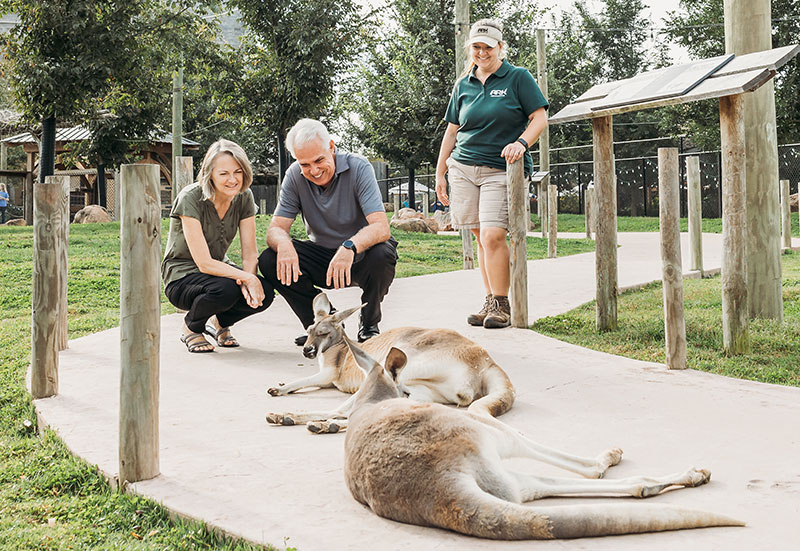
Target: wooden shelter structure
{"type": "Point", "coordinates": [725, 77]}
{"type": "Point", "coordinates": [82, 178]}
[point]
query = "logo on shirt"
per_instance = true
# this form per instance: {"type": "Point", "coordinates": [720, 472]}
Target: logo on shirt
{"type": "Point", "coordinates": [498, 93]}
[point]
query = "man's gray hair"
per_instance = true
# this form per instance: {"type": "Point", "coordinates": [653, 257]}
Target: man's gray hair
{"type": "Point", "coordinates": [305, 131]}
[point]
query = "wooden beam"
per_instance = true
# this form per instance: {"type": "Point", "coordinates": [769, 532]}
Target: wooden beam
{"type": "Point", "coordinates": [50, 208]}
{"type": "Point", "coordinates": [669, 212]}
{"type": "Point", "coordinates": [786, 215]}
{"type": "Point", "coordinates": [695, 214]}
{"type": "Point", "coordinates": [517, 231]}
{"type": "Point", "coordinates": [184, 174]}
{"type": "Point", "coordinates": [552, 220]}
{"type": "Point", "coordinates": [735, 333]}
{"type": "Point", "coordinates": [605, 209]}
{"type": "Point", "coordinates": [140, 322]}
{"type": "Point", "coordinates": [587, 209]}
{"type": "Point", "coordinates": [543, 203]}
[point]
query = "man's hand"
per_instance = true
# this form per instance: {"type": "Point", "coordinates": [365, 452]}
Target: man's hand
{"type": "Point", "coordinates": [252, 291]}
{"type": "Point", "coordinates": [288, 264]}
{"type": "Point", "coordinates": [339, 269]}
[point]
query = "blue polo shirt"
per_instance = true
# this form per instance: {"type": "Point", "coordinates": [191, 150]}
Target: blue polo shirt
{"type": "Point", "coordinates": [336, 212]}
{"type": "Point", "coordinates": [492, 115]}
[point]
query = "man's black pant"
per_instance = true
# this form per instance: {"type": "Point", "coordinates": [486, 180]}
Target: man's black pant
{"type": "Point", "coordinates": [205, 295]}
{"type": "Point", "coordinates": [372, 271]}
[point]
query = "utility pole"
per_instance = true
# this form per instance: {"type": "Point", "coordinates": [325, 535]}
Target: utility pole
{"type": "Point", "coordinates": [462, 31]}
{"type": "Point", "coordinates": [748, 28]}
{"type": "Point", "coordinates": [544, 138]}
{"type": "Point", "coordinates": [177, 123]}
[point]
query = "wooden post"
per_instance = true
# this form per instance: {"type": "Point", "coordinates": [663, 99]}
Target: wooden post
{"type": "Point", "coordinates": [462, 32]}
{"type": "Point", "coordinates": [262, 206]}
{"type": "Point", "coordinates": [669, 212]}
{"type": "Point", "coordinates": [177, 124]}
{"type": "Point", "coordinates": [552, 219]}
{"type": "Point", "coordinates": [63, 261]}
{"type": "Point", "coordinates": [605, 214]}
{"type": "Point", "coordinates": [28, 190]}
{"type": "Point", "coordinates": [544, 204]}
{"type": "Point", "coordinates": [396, 199]}
{"type": "Point", "coordinates": [117, 185]}
{"type": "Point", "coordinates": [695, 208]}
{"type": "Point", "coordinates": [588, 196]}
{"type": "Point", "coordinates": [786, 229]}
{"type": "Point", "coordinates": [517, 230]}
{"type": "Point", "coordinates": [748, 28]}
{"type": "Point", "coordinates": [183, 175]}
{"type": "Point", "coordinates": [140, 324]}
{"type": "Point", "coordinates": [50, 207]}
{"type": "Point", "coordinates": [425, 207]}
{"type": "Point", "coordinates": [735, 333]}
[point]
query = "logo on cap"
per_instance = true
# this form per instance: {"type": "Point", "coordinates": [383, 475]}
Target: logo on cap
{"type": "Point", "coordinates": [482, 30]}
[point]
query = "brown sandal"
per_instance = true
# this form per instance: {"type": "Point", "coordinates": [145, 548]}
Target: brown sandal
{"type": "Point", "coordinates": [222, 336]}
{"type": "Point", "coordinates": [195, 342]}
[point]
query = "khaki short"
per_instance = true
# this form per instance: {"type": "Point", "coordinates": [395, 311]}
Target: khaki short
{"type": "Point", "coordinates": [478, 196]}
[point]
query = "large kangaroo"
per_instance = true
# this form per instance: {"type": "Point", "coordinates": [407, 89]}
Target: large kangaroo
{"type": "Point", "coordinates": [443, 366]}
{"type": "Point", "coordinates": [431, 465]}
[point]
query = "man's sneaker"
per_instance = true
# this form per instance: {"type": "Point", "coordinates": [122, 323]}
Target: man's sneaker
{"type": "Point", "coordinates": [499, 313]}
{"type": "Point", "coordinates": [477, 319]}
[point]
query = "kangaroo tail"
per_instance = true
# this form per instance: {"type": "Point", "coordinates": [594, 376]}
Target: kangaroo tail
{"type": "Point", "coordinates": [494, 518]}
{"type": "Point", "coordinates": [498, 392]}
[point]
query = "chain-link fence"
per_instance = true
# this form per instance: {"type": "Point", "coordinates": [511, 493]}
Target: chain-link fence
{"type": "Point", "coordinates": [637, 182]}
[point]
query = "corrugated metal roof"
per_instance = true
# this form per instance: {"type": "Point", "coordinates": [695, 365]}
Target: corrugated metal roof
{"type": "Point", "coordinates": [81, 133]}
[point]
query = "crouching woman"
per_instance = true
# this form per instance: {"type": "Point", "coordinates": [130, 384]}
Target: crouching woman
{"type": "Point", "coordinates": [198, 276]}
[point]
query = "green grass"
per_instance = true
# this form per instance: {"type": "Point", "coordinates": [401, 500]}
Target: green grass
{"type": "Point", "coordinates": [39, 479]}
{"type": "Point", "coordinates": [775, 353]}
{"type": "Point", "coordinates": [576, 223]}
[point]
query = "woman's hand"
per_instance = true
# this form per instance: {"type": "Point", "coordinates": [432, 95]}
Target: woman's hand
{"type": "Point", "coordinates": [513, 152]}
{"type": "Point", "coordinates": [441, 190]}
{"type": "Point", "coordinates": [252, 290]}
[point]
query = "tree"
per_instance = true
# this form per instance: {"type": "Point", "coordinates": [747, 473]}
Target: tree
{"type": "Point", "coordinates": [292, 58]}
{"type": "Point", "coordinates": [698, 26]}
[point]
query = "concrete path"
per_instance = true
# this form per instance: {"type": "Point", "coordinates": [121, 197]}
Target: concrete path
{"type": "Point", "coordinates": [221, 462]}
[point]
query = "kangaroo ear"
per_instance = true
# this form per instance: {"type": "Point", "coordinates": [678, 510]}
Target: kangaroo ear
{"type": "Point", "coordinates": [344, 314]}
{"type": "Point", "coordinates": [395, 361]}
{"type": "Point", "coordinates": [364, 360]}
{"type": "Point", "coordinates": [321, 306]}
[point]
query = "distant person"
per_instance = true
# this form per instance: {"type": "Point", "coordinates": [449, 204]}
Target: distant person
{"type": "Point", "coordinates": [437, 205]}
{"type": "Point", "coordinates": [3, 202]}
{"type": "Point", "coordinates": [198, 276]}
{"type": "Point", "coordinates": [495, 112]}
{"type": "Point", "coordinates": [405, 204]}
{"type": "Point", "coordinates": [349, 242]}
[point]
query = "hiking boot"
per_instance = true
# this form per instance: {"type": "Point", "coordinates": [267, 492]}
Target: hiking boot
{"type": "Point", "coordinates": [499, 313]}
{"type": "Point", "coordinates": [477, 319]}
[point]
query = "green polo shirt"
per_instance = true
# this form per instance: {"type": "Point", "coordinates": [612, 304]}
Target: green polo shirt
{"type": "Point", "coordinates": [219, 234]}
{"type": "Point", "coordinates": [492, 115]}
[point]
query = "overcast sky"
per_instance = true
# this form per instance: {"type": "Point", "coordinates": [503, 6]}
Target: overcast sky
{"type": "Point", "coordinates": [657, 9]}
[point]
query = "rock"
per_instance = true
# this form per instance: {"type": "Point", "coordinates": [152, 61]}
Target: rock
{"type": "Point", "coordinates": [443, 219]}
{"type": "Point", "coordinates": [406, 213]}
{"type": "Point", "coordinates": [412, 224]}
{"type": "Point", "coordinates": [432, 224]}
{"type": "Point", "coordinates": [16, 222]}
{"type": "Point", "coordinates": [793, 202]}
{"type": "Point", "coordinates": [388, 207]}
{"type": "Point", "coordinates": [91, 214]}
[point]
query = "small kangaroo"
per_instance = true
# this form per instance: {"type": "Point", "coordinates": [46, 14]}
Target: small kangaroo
{"type": "Point", "coordinates": [443, 366]}
{"type": "Point", "coordinates": [431, 465]}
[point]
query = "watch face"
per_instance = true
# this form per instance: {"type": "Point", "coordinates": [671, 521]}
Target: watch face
{"type": "Point", "coordinates": [349, 245]}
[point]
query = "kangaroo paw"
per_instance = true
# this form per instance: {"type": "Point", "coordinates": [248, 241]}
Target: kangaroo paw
{"type": "Point", "coordinates": [280, 419]}
{"type": "Point", "coordinates": [324, 427]}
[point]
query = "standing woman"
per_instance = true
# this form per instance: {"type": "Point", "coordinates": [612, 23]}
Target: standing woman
{"type": "Point", "coordinates": [496, 111]}
{"type": "Point", "coordinates": [198, 276]}
{"type": "Point", "coordinates": [3, 202]}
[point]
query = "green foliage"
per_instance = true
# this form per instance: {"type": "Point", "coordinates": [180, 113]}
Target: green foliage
{"type": "Point", "coordinates": [699, 27]}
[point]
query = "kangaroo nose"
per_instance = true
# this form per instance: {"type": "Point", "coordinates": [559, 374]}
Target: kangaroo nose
{"type": "Point", "coordinates": [310, 352]}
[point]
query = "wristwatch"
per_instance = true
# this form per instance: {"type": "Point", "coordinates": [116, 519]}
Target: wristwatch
{"type": "Point", "coordinates": [350, 245]}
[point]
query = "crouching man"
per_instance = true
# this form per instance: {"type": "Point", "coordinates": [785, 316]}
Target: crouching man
{"type": "Point", "coordinates": [349, 240]}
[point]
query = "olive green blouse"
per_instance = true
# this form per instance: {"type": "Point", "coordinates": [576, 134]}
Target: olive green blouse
{"type": "Point", "coordinates": [219, 234]}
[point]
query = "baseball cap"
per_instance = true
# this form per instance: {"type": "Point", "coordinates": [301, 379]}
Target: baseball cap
{"type": "Point", "coordinates": [487, 34]}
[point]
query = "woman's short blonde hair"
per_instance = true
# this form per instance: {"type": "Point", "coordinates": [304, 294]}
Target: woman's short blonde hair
{"type": "Point", "coordinates": [223, 147]}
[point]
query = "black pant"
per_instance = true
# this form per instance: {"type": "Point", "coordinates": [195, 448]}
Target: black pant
{"type": "Point", "coordinates": [205, 295]}
{"type": "Point", "coordinates": [372, 271]}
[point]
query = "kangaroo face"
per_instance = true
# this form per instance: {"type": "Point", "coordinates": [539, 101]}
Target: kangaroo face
{"type": "Point", "coordinates": [322, 335]}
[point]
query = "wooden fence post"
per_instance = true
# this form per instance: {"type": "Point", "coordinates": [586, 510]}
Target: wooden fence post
{"type": "Point", "coordinates": [140, 323]}
{"type": "Point", "coordinates": [396, 199]}
{"type": "Point", "coordinates": [786, 226]}
{"type": "Point", "coordinates": [735, 332]}
{"type": "Point", "coordinates": [468, 252]}
{"type": "Point", "coordinates": [605, 220]}
{"type": "Point", "coordinates": [184, 174]}
{"type": "Point", "coordinates": [552, 219]}
{"type": "Point", "coordinates": [50, 208]}
{"type": "Point", "coordinates": [587, 209]}
{"type": "Point", "coordinates": [517, 230]}
{"type": "Point", "coordinates": [695, 211]}
{"type": "Point", "coordinates": [669, 211]}
{"type": "Point", "coordinates": [63, 261]}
